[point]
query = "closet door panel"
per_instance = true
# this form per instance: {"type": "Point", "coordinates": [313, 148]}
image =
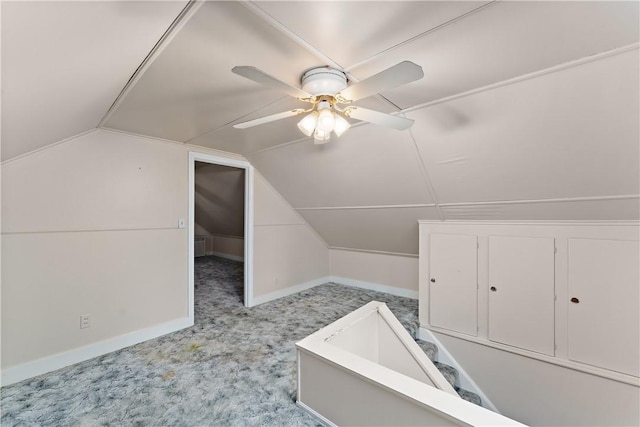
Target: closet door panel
{"type": "Point", "coordinates": [604, 302]}
{"type": "Point", "coordinates": [522, 292]}
{"type": "Point", "coordinates": [453, 282]}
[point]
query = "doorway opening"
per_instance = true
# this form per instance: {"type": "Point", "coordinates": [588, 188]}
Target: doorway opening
{"type": "Point", "coordinates": [220, 215]}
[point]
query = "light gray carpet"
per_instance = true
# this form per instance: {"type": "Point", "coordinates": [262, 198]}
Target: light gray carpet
{"type": "Point", "coordinates": [235, 366]}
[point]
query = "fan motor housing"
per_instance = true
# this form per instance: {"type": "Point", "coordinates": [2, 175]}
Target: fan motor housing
{"type": "Point", "coordinates": [323, 81]}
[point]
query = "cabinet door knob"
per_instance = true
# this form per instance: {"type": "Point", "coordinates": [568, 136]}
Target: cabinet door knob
{"type": "Point", "coordinates": [493, 289]}
{"type": "Point", "coordinates": [433, 280]}
{"type": "Point", "coordinates": [575, 300]}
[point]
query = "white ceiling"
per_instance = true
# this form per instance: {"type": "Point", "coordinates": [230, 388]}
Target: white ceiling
{"type": "Point", "coordinates": [527, 111]}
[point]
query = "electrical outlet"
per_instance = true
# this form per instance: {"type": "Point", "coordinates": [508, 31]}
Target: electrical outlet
{"type": "Point", "coordinates": [85, 321]}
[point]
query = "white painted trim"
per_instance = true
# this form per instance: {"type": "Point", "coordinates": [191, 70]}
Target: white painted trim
{"type": "Point", "coordinates": [314, 414]}
{"type": "Point", "coordinates": [248, 221]}
{"type": "Point", "coordinates": [401, 292]}
{"type": "Point", "coordinates": [331, 208]}
{"type": "Point", "coordinates": [577, 223]}
{"type": "Point", "coordinates": [46, 147]}
{"type": "Point", "coordinates": [196, 148]}
{"type": "Point", "coordinates": [483, 203]}
{"type": "Point", "coordinates": [89, 230]}
{"type": "Point", "coordinates": [277, 25]}
{"type": "Point", "coordinates": [296, 224]}
{"type": "Point", "coordinates": [174, 28]}
{"type": "Point", "coordinates": [57, 361]}
{"type": "Point", "coordinates": [466, 382]}
{"type": "Point", "coordinates": [248, 235]}
{"type": "Point", "coordinates": [289, 291]}
{"type": "Point", "coordinates": [445, 405]}
{"type": "Point", "coordinates": [529, 76]}
{"type": "Point", "coordinates": [425, 175]}
{"type": "Point", "coordinates": [426, 33]}
{"type": "Point", "coordinates": [371, 251]}
{"type": "Point", "coordinates": [302, 220]}
{"type": "Point", "coordinates": [407, 293]}
{"type": "Point", "coordinates": [226, 256]}
{"type": "Point", "coordinates": [536, 201]}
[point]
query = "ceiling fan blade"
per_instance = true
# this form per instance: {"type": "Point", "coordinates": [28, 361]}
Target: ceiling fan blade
{"type": "Point", "coordinates": [379, 118]}
{"type": "Point", "coordinates": [267, 119]}
{"type": "Point", "coordinates": [259, 76]}
{"type": "Point", "coordinates": [398, 75]}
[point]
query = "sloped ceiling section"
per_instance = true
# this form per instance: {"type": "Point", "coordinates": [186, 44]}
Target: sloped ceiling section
{"type": "Point", "coordinates": [527, 111]}
{"type": "Point", "coordinates": [64, 64]}
{"type": "Point", "coordinates": [219, 199]}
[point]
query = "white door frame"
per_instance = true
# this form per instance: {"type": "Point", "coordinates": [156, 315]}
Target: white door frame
{"type": "Point", "coordinates": [248, 221]}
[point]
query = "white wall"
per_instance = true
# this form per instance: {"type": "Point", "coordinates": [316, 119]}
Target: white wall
{"type": "Point", "coordinates": [396, 274]}
{"type": "Point", "coordinates": [90, 226]}
{"type": "Point", "coordinates": [538, 393]}
{"type": "Point", "coordinates": [288, 254]}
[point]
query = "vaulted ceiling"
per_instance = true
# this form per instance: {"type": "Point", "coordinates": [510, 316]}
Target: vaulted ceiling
{"type": "Point", "coordinates": [527, 110]}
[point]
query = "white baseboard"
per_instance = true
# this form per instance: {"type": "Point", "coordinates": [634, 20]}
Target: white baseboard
{"type": "Point", "coordinates": [407, 293]}
{"type": "Point", "coordinates": [51, 363]}
{"type": "Point", "coordinates": [401, 292]}
{"type": "Point", "coordinates": [466, 382]}
{"type": "Point", "coordinates": [227, 256]}
{"type": "Point", "coordinates": [315, 414]}
{"type": "Point", "coordinates": [288, 291]}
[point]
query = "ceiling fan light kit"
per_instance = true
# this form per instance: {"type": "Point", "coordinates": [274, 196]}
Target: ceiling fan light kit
{"type": "Point", "coordinates": [323, 81]}
{"type": "Point", "coordinates": [325, 88]}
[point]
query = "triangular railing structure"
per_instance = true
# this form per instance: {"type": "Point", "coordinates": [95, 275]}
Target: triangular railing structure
{"type": "Point", "coordinates": [366, 369]}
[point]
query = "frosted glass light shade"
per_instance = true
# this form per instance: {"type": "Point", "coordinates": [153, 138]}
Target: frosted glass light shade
{"type": "Point", "coordinates": [308, 124]}
{"type": "Point", "coordinates": [321, 137]}
{"type": "Point", "coordinates": [326, 121]}
{"type": "Point", "coordinates": [341, 125]}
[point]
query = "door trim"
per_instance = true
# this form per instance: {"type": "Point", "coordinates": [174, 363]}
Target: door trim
{"type": "Point", "coordinates": [248, 222]}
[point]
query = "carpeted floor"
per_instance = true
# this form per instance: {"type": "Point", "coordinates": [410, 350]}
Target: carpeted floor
{"type": "Point", "coordinates": [235, 366]}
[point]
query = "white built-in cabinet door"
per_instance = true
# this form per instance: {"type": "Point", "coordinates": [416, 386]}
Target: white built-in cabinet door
{"type": "Point", "coordinates": [604, 304]}
{"type": "Point", "coordinates": [453, 282]}
{"type": "Point", "coordinates": [522, 292]}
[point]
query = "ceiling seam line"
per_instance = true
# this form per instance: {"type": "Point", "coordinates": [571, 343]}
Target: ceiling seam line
{"type": "Point", "coordinates": [553, 222]}
{"type": "Point", "coordinates": [188, 141]}
{"type": "Point", "coordinates": [483, 203]}
{"type": "Point", "coordinates": [279, 26]}
{"type": "Point", "coordinates": [286, 202]}
{"type": "Point", "coordinates": [170, 141]}
{"type": "Point", "coordinates": [281, 225]}
{"type": "Point", "coordinates": [425, 175]}
{"type": "Point", "coordinates": [46, 147]}
{"type": "Point", "coordinates": [421, 35]}
{"type": "Point", "coordinates": [538, 201]}
{"type": "Point", "coordinates": [327, 208]}
{"type": "Point", "coordinates": [183, 17]}
{"type": "Point", "coordinates": [497, 85]}
{"type": "Point", "coordinates": [528, 76]}
{"type": "Point", "coordinates": [373, 251]}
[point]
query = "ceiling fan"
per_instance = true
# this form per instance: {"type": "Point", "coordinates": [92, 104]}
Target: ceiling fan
{"type": "Point", "coordinates": [330, 96]}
